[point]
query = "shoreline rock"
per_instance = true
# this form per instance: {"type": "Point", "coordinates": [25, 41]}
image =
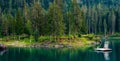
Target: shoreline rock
{"type": "Point", "coordinates": [51, 46]}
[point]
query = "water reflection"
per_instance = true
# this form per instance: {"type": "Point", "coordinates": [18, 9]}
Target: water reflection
{"type": "Point", "coordinates": [105, 50]}
{"type": "Point", "coordinates": [2, 52]}
{"type": "Point", "coordinates": [106, 55]}
{"type": "Point", "coordinates": [61, 54]}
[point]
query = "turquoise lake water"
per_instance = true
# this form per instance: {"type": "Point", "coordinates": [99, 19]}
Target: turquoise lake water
{"type": "Point", "coordinates": [62, 54]}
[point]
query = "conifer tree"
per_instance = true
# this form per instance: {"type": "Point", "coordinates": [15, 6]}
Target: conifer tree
{"type": "Point", "coordinates": [55, 20]}
{"type": "Point", "coordinates": [78, 17]}
{"type": "Point", "coordinates": [37, 17]}
{"type": "Point", "coordinates": [20, 23]}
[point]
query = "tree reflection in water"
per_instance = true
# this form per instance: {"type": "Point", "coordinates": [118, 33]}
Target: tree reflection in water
{"type": "Point", "coordinates": [2, 52]}
{"type": "Point", "coordinates": [106, 55]}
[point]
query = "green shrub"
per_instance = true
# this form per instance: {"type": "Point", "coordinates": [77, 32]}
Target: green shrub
{"type": "Point", "coordinates": [79, 35]}
{"type": "Point", "coordinates": [96, 38]}
{"type": "Point", "coordinates": [45, 38]}
{"type": "Point", "coordinates": [116, 35]}
{"type": "Point", "coordinates": [90, 36]}
{"type": "Point", "coordinates": [71, 36]}
{"type": "Point", "coordinates": [36, 35]}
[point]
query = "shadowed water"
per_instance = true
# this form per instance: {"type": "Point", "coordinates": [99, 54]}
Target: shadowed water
{"type": "Point", "coordinates": [62, 54]}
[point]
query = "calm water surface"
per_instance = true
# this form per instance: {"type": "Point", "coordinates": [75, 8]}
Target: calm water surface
{"type": "Point", "coordinates": [62, 54]}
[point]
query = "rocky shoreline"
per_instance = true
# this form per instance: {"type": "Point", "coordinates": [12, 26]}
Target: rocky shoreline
{"type": "Point", "coordinates": [60, 45]}
{"type": "Point", "coordinates": [50, 44]}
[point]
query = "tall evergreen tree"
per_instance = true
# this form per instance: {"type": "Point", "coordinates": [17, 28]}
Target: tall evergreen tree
{"type": "Point", "coordinates": [5, 25]}
{"type": "Point", "coordinates": [78, 17]}
{"type": "Point", "coordinates": [55, 20]}
{"type": "Point", "coordinates": [113, 18]}
{"type": "Point", "coordinates": [37, 17]}
{"type": "Point", "coordinates": [0, 22]}
{"type": "Point", "coordinates": [105, 27]}
{"type": "Point", "coordinates": [99, 12]}
{"type": "Point", "coordinates": [20, 23]}
{"type": "Point", "coordinates": [70, 23]}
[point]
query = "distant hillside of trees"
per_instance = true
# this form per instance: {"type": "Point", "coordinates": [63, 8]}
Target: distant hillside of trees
{"type": "Point", "coordinates": [5, 4]}
{"type": "Point", "coordinates": [59, 17]}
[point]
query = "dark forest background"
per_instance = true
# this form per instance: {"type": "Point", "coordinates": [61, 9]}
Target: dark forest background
{"type": "Point", "coordinates": [59, 17]}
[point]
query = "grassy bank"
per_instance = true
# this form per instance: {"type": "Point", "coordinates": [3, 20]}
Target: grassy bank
{"type": "Point", "coordinates": [49, 41]}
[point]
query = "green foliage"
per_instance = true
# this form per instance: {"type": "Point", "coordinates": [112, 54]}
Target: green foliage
{"type": "Point", "coordinates": [77, 17]}
{"type": "Point", "coordinates": [56, 25]}
{"type": "Point", "coordinates": [29, 27]}
{"type": "Point", "coordinates": [20, 25]}
{"type": "Point", "coordinates": [38, 18]}
{"type": "Point", "coordinates": [58, 19]}
{"type": "Point", "coordinates": [36, 35]}
{"type": "Point", "coordinates": [90, 36]}
{"type": "Point", "coordinates": [46, 38]}
{"type": "Point", "coordinates": [115, 35]}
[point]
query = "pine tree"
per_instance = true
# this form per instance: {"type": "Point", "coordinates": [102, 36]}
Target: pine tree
{"type": "Point", "coordinates": [96, 21]}
{"type": "Point", "coordinates": [0, 23]}
{"type": "Point", "coordinates": [60, 3]}
{"type": "Point", "coordinates": [70, 23]}
{"type": "Point", "coordinates": [99, 12]}
{"type": "Point", "coordinates": [20, 23]}
{"type": "Point", "coordinates": [118, 19]}
{"type": "Point", "coordinates": [13, 26]}
{"type": "Point", "coordinates": [6, 18]}
{"type": "Point", "coordinates": [84, 24]}
{"type": "Point", "coordinates": [37, 17]}
{"type": "Point", "coordinates": [113, 18]}
{"type": "Point", "coordinates": [55, 20]}
{"type": "Point", "coordinates": [29, 27]}
{"type": "Point", "coordinates": [105, 27]}
{"type": "Point", "coordinates": [5, 25]}
{"type": "Point", "coordinates": [27, 18]}
{"type": "Point", "coordinates": [78, 17]}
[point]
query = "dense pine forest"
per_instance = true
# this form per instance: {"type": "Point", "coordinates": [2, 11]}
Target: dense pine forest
{"type": "Point", "coordinates": [59, 17]}
{"type": "Point", "coordinates": [59, 30]}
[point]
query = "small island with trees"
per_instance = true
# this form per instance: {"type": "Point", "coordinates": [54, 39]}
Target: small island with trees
{"type": "Point", "coordinates": [57, 23]}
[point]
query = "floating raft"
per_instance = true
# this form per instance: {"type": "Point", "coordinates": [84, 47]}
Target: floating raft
{"type": "Point", "coordinates": [103, 49]}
